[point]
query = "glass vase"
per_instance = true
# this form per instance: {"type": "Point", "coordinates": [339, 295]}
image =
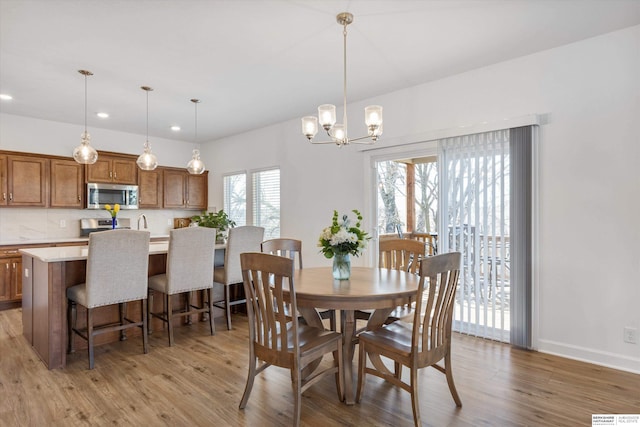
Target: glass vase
{"type": "Point", "coordinates": [341, 266]}
{"type": "Point", "coordinates": [114, 222]}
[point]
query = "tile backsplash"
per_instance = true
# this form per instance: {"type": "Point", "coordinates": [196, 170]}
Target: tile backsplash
{"type": "Point", "coordinates": [24, 224]}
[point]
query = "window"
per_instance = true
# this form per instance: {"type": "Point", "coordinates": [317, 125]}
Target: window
{"type": "Point", "coordinates": [235, 197]}
{"type": "Point", "coordinates": [266, 202]}
{"type": "Point", "coordinates": [254, 201]}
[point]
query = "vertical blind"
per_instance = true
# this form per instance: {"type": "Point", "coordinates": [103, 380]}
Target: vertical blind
{"type": "Point", "coordinates": [266, 202]}
{"type": "Point", "coordinates": [475, 220]}
{"type": "Point", "coordinates": [486, 210]}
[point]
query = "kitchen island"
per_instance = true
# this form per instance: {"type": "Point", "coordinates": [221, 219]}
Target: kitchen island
{"type": "Point", "coordinates": [46, 275]}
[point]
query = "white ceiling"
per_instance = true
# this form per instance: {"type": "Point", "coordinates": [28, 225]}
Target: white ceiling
{"type": "Point", "coordinates": [258, 62]}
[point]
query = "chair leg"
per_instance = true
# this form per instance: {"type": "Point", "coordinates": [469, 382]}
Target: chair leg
{"type": "Point", "coordinates": [227, 305]}
{"type": "Point", "coordinates": [250, 377]}
{"type": "Point", "coordinates": [212, 324]}
{"type": "Point", "coordinates": [415, 402]}
{"type": "Point", "coordinates": [362, 363]}
{"type": "Point", "coordinates": [296, 383]}
{"type": "Point", "coordinates": [169, 319]}
{"type": "Point", "coordinates": [187, 307]}
{"type": "Point", "coordinates": [449, 374]}
{"type": "Point", "coordinates": [149, 308]}
{"type": "Point", "coordinates": [122, 307]}
{"type": "Point", "coordinates": [145, 326]}
{"type": "Point", "coordinates": [72, 317]}
{"type": "Point", "coordinates": [332, 320]}
{"type": "Point", "coordinates": [90, 336]}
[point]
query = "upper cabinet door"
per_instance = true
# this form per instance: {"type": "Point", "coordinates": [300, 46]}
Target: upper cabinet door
{"type": "Point", "coordinates": [150, 189]}
{"type": "Point", "coordinates": [4, 194]}
{"type": "Point", "coordinates": [67, 179]}
{"type": "Point", "coordinates": [174, 188]}
{"type": "Point", "coordinates": [113, 169]}
{"type": "Point", "coordinates": [27, 181]}
{"type": "Point", "coordinates": [197, 191]}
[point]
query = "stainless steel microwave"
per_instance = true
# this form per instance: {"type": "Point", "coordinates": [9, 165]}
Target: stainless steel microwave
{"type": "Point", "coordinates": [99, 195]}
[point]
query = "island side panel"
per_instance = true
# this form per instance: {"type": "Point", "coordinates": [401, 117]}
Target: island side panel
{"type": "Point", "coordinates": [27, 298]}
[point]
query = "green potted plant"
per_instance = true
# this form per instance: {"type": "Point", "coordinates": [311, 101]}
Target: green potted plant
{"type": "Point", "coordinates": [219, 220]}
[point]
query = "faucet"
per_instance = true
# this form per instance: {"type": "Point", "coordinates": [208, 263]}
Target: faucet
{"type": "Point", "coordinates": [143, 217]}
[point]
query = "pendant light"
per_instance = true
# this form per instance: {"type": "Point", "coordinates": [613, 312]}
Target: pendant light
{"type": "Point", "coordinates": [84, 153]}
{"type": "Point", "coordinates": [195, 166]}
{"type": "Point", "coordinates": [147, 161]}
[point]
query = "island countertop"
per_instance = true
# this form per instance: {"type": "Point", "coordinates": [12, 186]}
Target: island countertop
{"type": "Point", "coordinates": [74, 253]}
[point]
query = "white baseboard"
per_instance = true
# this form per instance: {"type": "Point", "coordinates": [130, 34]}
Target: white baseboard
{"type": "Point", "coordinates": [602, 358]}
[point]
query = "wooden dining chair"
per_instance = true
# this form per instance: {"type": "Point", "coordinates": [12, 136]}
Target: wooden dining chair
{"type": "Point", "coordinates": [292, 248]}
{"type": "Point", "coordinates": [246, 238]}
{"type": "Point", "coordinates": [117, 266]}
{"type": "Point", "coordinates": [278, 339]}
{"type": "Point", "coordinates": [189, 268]}
{"type": "Point", "coordinates": [397, 254]}
{"type": "Point", "coordinates": [424, 343]}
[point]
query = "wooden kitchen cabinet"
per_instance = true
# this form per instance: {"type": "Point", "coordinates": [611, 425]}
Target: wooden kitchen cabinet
{"type": "Point", "coordinates": [150, 188]}
{"type": "Point", "coordinates": [24, 181]}
{"type": "Point", "coordinates": [4, 195]}
{"type": "Point", "coordinates": [66, 184]}
{"type": "Point", "coordinates": [10, 277]}
{"type": "Point", "coordinates": [113, 169]}
{"type": "Point", "coordinates": [186, 191]}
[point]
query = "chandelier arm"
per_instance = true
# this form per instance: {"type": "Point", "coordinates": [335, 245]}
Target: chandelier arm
{"type": "Point", "coordinates": [361, 139]}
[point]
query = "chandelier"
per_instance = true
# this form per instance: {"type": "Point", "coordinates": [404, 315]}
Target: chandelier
{"type": "Point", "coordinates": [147, 161]}
{"type": "Point", "coordinates": [327, 112]}
{"type": "Point", "coordinates": [84, 153]}
{"type": "Point", "coordinates": [195, 165]}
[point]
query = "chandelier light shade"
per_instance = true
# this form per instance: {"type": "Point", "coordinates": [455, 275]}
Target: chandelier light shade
{"type": "Point", "coordinates": [147, 161]}
{"type": "Point", "coordinates": [195, 165]}
{"type": "Point", "coordinates": [84, 153]}
{"type": "Point", "coordinates": [327, 112]}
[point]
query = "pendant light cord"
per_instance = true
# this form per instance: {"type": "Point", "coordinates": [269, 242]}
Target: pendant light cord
{"type": "Point", "coordinates": [85, 104]}
{"type": "Point", "coordinates": [344, 32]}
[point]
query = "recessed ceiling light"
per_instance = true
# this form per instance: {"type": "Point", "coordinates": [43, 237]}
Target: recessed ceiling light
{"type": "Point", "coordinates": [175, 128]}
{"type": "Point", "coordinates": [103, 115]}
{"type": "Point", "coordinates": [6, 97]}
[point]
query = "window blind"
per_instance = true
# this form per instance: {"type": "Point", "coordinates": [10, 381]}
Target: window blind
{"type": "Point", "coordinates": [266, 202]}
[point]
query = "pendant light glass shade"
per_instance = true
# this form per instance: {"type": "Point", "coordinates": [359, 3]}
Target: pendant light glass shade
{"type": "Point", "coordinates": [84, 153]}
{"type": "Point", "coordinates": [147, 161]}
{"type": "Point", "coordinates": [195, 165]}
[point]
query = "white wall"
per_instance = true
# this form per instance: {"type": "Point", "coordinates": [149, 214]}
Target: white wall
{"type": "Point", "coordinates": [30, 135]}
{"type": "Point", "coordinates": [588, 268]}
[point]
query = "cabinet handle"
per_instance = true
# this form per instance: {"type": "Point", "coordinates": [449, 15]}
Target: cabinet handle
{"type": "Point", "coordinates": [4, 196]}
{"type": "Point", "coordinates": [7, 265]}
{"type": "Point", "coordinates": [14, 265]}
{"type": "Point", "coordinates": [110, 174]}
{"type": "Point", "coordinates": [115, 175]}
{"type": "Point", "coordinates": [10, 196]}
{"type": "Point", "coordinates": [79, 198]}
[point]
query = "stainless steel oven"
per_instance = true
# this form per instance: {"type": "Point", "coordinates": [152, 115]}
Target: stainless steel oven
{"type": "Point", "coordinates": [99, 195]}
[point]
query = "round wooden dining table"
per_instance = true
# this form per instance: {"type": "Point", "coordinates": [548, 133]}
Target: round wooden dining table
{"type": "Point", "coordinates": [368, 288]}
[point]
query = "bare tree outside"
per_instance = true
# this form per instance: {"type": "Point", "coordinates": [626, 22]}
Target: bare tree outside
{"type": "Point", "coordinates": [426, 192]}
{"type": "Point", "coordinates": [391, 186]}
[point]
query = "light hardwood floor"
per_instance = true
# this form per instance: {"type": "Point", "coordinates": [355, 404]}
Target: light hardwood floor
{"type": "Point", "coordinates": [200, 382]}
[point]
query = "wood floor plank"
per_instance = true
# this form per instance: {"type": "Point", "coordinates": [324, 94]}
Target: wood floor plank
{"type": "Point", "coordinates": [200, 382]}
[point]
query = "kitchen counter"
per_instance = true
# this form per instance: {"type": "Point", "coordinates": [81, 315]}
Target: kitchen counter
{"type": "Point", "coordinates": [74, 253]}
{"type": "Point", "coordinates": [60, 240]}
